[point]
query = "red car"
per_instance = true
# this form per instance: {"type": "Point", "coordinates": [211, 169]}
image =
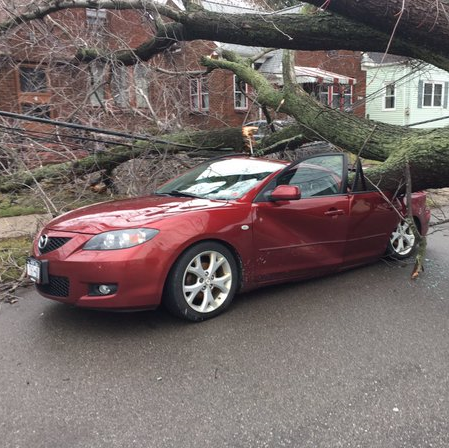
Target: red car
{"type": "Point", "coordinates": [230, 224]}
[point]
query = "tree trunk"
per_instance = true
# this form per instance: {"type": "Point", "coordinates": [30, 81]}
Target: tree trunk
{"type": "Point", "coordinates": [422, 30]}
{"type": "Point", "coordinates": [426, 150]}
{"type": "Point", "coordinates": [424, 22]}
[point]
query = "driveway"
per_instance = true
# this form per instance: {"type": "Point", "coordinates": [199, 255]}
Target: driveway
{"type": "Point", "coordinates": [358, 359]}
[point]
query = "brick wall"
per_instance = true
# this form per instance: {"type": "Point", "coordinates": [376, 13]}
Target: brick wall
{"type": "Point", "coordinates": [168, 93]}
{"type": "Point", "coordinates": [346, 63]}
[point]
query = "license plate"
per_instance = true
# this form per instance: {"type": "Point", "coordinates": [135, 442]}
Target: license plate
{"type": "Point", "coordinates": [34, 269]}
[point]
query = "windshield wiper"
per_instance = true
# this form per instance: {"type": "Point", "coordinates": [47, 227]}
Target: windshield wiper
{"type": "Point", "coordinates": [180, 194]}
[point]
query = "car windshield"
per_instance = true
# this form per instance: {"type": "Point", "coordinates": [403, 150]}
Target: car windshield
{"type": "Point", "coordinates": [221, 179]}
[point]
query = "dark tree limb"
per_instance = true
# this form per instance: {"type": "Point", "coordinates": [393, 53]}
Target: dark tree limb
{"type": "Point", "coordinates": [202, 144]}
{"type": "Point", "coordinates": [423, 22]}
{"type": "Point", "coordinates": [365, 27]}
{"type": "Point", "coordinates": [426, 150]}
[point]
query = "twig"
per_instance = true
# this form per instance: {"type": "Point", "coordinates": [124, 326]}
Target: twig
{"type": "Point", "coordinates": [420, 256]}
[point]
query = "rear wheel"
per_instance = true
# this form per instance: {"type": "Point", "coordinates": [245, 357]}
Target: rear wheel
{"type": "Point", "coordinates": [402, 242]}
{"type": "Point", "coordinates": [202, 283]}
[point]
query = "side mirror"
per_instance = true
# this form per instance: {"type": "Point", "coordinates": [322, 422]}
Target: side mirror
{"type": "Point", "coordinates": [286, 193]}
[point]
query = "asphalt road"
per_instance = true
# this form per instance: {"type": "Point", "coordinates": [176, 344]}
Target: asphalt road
{"type": "Point", "coordinates": [355, 360]}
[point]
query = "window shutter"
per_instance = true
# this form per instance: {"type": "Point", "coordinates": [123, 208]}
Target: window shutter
{"type": "Point", "coordinates": [420, 89]}
{"type": "Point", "coordinates": [446, 86]}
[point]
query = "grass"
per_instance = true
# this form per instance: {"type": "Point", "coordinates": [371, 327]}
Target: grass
{"type": "Point", "coordinates": [13, 254]}
{"type": "Point", "coordinates": [63, 198]}
{"type": "Point", "coordinates": [18, 210]}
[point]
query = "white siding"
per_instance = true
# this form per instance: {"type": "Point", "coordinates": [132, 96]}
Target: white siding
{"type": "Point", "coordinates": [376, 79]}
{"type": "Point", "coordinates": [418, 114]}
{"type": "Point", "coordinates": [407, 77]}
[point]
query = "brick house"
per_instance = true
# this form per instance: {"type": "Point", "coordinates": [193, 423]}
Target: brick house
{"type": "Point", "coordinates": [39, 76]}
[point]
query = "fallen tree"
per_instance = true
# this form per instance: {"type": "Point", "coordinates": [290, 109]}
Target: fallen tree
{"type": "Point", "coordinates": [196, 144]}
{"type": "Point", "coordinates": [425, 150]}
{"type": "Point", "coordinates": [417, 29]}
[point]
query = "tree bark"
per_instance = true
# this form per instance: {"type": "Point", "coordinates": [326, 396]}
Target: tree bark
{"type": "Point", "coordinates": [424, 22]}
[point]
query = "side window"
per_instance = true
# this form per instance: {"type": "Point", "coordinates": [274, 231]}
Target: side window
{"type": "Point", "coordinates": [316, 176]}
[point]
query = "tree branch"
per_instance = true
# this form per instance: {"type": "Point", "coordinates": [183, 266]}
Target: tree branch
{"type": "Point", "coordinates": [321, 31]}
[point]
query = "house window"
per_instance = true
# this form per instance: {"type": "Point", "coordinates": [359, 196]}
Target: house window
{"type": "Point", "coordinates": [199, 94]}
{"type": "Point", "coordinates": [97, 83]}
{"type": "Point", "coordinates": [96, 17]}
{"type": "Point", "coordinates": [240, 94]}
{"type": "Point", "coordinates": [33, 79]}
{"type": "Point", "coordinates": [324, 95]}
{"type": "Point", "coordinates": [390, 96]}
{"type": "Point", "coordinates": [141, 85]}
{"type": "Point", "coordinates": [432, 94]}
{"type": "Point", "coordinates": [347, 98]}
{"type": "Point", "coordinates": [34, 94]}
{"type": "Point", "coordinates": [336, 96]}
{"type": "Point", "coordinates": [120, 85]}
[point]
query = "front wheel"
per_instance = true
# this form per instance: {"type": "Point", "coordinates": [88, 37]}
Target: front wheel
{"type": "Point", "coordinates": [402, 242]}
{"type": "Point", "coordinates": [202, 283]}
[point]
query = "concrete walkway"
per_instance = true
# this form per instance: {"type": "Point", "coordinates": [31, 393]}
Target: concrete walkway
{"type": "Point", "coordinates": [27, 225]}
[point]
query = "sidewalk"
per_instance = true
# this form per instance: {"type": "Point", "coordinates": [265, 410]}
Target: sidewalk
{"type": "Point", "coordinates": [26, 225]}
{"type": "Point", "coordinates": [439, 214]}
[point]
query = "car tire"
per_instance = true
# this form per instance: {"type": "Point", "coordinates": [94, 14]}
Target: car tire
{"type": "Point", "coordinates": [403, 242]}
{"type": "Point", "coordinates": [202, 282]}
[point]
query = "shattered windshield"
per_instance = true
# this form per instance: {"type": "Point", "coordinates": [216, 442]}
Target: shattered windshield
{"type": "Point", "coordinates": [221, 179]}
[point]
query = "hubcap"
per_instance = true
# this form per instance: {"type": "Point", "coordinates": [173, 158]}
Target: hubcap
{"type": "Point", "coordinates": [207, 281]}
{"type": "Point", "coordinates": [402, 239]}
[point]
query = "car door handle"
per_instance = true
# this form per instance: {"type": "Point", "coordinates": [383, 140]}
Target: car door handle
{"type": "Point", "coordinates": [334, 212]}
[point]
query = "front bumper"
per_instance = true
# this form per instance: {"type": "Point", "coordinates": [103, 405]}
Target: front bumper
{"type": "Point", "coordinates": [137, 271]}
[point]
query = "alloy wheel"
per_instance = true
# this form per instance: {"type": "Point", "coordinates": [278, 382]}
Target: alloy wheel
{"type": "Point", "coordinates": [402, 240]}
{"type": "Point", "coordinates": [207, 281]}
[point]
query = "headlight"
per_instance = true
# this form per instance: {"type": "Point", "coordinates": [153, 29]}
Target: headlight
{"type": "Point", "coordinates": [120, 239]}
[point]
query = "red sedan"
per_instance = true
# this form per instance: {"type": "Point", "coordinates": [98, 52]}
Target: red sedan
{"type": "Point", "coordinates": [230, 224]}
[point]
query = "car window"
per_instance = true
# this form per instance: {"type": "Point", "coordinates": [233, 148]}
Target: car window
{"type": "Point", "coordinates": [316, 176]}
{"type": "Point", "coordinates": [225, 179]}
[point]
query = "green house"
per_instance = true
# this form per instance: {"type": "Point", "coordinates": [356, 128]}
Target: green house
{"type": "Point", "coordinates": [405, 91]}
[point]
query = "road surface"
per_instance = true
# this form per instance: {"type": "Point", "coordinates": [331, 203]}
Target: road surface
{"type": "Point", "coordinates": [358, 359]}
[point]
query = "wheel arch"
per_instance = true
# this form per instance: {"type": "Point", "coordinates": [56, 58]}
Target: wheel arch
{"type": "Point", "coordinates": [230, 247]}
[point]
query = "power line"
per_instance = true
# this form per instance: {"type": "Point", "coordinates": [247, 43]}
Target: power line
{"type": "Point", "coordinates": [428, 121]}
{"type": "Point", "coordinates": [38, 134]}
{"type": "Point", "coordinates": [90, 129]}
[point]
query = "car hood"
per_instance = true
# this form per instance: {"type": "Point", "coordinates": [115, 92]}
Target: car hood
{"type": "Point", "coordinates": [128, 213]}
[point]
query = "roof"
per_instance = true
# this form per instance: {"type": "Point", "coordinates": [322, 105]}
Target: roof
{"type": "Point", "coordinates": [313, 74]}
{"type": "Point", "coordinates": [231, 6]}
{"type": "Point", "coordinates": [273, 66]}
{"type": "Point", "coordinates": [273, 63]}
{"type": "Point", "coordinates": [384, 59]}
{"type": "Point", "coordinates": [242, 50]}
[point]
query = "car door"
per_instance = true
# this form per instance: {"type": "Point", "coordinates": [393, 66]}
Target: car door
{"type": "Point", "coordinates": [305, 237]}
{"type": "Point", "coordinates": [372, 219]}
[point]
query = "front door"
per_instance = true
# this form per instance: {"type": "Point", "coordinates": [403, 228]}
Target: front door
{"type": "Point", "coordinates": [305, 237]}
